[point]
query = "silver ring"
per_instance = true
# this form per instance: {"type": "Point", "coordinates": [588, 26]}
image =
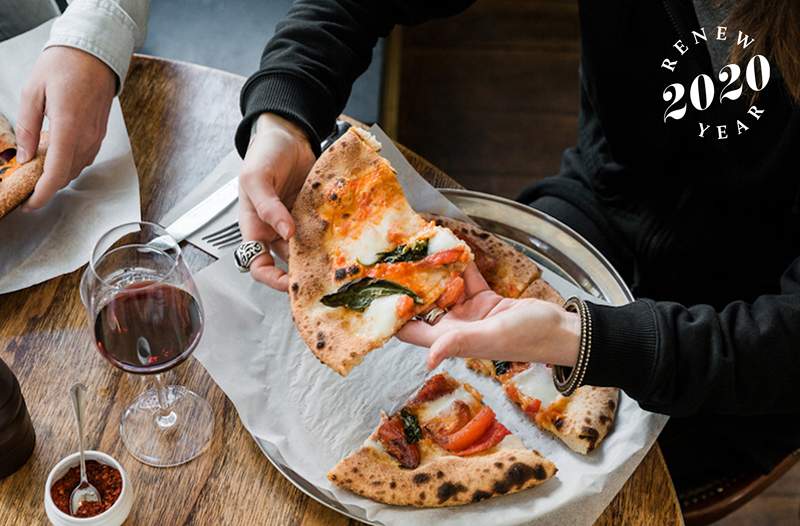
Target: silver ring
{"type": "Point", "coordinates": [433, 316]}
{"type": "Point", "coordinates": [246, 252]}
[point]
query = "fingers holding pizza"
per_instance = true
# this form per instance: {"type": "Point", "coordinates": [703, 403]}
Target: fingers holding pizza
{"type": "Point", "coordinates": [276, 164]}
{"type": "Point", "coordinates": [74, 90]}
{"type": "Point", "coordinates": [17, 179]}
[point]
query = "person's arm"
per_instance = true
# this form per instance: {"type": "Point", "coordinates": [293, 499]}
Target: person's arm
{"type": "Point", "coordinates": [109, 30]}
{"type": "Point", "coordinates": [317, 52]}
{"type": "Point", "coordinates": [292, 102]}
{"type": "Point", "coordinates": [671, 359]}
{"type": "Point", "coordinates": [680, 360]}
{"type": "Point", "coordinates": [73, 83]}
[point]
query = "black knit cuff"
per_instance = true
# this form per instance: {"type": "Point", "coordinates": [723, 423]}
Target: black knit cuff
{"type": "Point", "coordinates": [290, 97]}
{"type": "Point", "coordinates": [624, 341]}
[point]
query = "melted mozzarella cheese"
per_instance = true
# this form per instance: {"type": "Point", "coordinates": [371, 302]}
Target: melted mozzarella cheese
{"type": "Point", "coordinates": [442, 239]}
{"type": "Point", "coordinates": [380, 317]}
{"type": "Point", "coordinates": [537, 382]}
{"type": "Point", "coordinates": [373, 239]}
{"type": "Point", "coordinates": [443, 403]}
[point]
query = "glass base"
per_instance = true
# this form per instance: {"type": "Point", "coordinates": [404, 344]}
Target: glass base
{"type": "Point", "coordinates": [171, 438]}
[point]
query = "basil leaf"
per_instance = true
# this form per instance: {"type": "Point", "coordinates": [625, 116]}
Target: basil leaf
{"type": "Point", "coordinates": [501, 367]}
{"type": "Point", "coordinates": [359, 294]}
{"type": "Point", "coordinates": [409, 252]}
{"type": "Point", "coordinates": [410, 427]}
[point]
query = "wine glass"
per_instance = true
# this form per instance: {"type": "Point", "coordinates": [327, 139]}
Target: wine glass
{"type": "Point", "coordinates": [146, 317]}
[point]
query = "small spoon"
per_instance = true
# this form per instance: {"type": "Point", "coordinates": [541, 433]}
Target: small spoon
{"type": "Point", "coordinates": [84, 491]}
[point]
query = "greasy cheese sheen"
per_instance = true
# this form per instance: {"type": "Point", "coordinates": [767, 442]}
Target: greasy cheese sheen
{"type": "Point", "coordinates": [443, 403]}
{"type": "Point", "coordinates": [380, 317]}
{"type": "Point", "coordinates": [537, 382]}
{"type": "Point", "coordinates": [441, 240]}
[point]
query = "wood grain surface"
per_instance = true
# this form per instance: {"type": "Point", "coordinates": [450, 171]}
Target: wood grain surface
{"type": "Point", "coordinates": [181, 119]}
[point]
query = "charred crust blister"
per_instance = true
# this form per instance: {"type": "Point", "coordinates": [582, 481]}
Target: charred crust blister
{"type": "Point", "coordinates": [295, 287]}
{"type": "Point", "coordinates": [603, 419]}
{"type": "Point", "coordinates": [315, 185]}
{"type": "Point", "coordinates": [421, 478]}
{"type": "Point", "coordinates": [480, 495]}
{"type": "Point", "coordinates": [320, 340]}
{"type": "Point", "coordinates": [517, 475]}
{"type": "Point", "coordinates": [612, 404]}
{"type": "Point", "coordinates": [558, 423]}
{"type": "Point", "coordinates": [590, 435]}
{"type": "Point", "coordinates": [449, 490]}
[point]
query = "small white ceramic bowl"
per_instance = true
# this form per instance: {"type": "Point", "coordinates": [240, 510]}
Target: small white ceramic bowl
{"type": "Point", "coordinates": [113, 516]}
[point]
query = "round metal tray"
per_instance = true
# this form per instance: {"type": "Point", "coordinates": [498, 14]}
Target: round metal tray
{"type": "Point", "coordinates": [551, 244]}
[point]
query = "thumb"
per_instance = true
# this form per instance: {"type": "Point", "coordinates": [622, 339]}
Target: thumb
{"type": "Point", "coordinates": [29, 125]}
{"type": "Point", "coordinates": [475, 340]}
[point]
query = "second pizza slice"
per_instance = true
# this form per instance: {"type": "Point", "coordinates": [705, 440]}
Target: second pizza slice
{"type": "Point", "coordinates": [445, 447]}
{"type": "Point", "coordinates": [362, 262]}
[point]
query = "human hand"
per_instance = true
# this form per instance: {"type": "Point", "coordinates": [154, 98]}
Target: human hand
{"type": "Point", "coordinates": [487, 325]}
{"type": "Point", "coordinates": [277, 162]}
{"type": "Point", "coordinates": [75, 90]}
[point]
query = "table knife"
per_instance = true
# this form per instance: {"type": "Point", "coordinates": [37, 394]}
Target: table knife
{"type": "Point", "coordinates": [205, 211]}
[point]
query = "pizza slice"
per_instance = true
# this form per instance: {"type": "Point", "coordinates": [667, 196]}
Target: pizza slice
{"type": "Point", "coordinates": [17, 181]}
{"type": "Point", "coordinates": [362, 262]}
{"type": "Point", "coordinates": [581, 420]}
{"type": "Point", "coordinates": [506, 270]}
{"type": "Point", "coordinates": [443, 448]}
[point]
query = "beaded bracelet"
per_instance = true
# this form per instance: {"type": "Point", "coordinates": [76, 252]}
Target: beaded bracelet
{"type": "Point", "coordinates": [568, 379]}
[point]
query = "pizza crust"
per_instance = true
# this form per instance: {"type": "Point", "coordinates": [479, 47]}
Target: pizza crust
{"type": "Point", "coordinates": [587, 418]}
{"type": "Point", "coordinates": [18, 184]}
{"type": "Point", "coordinates": [541, 290]}
{"type": "Point", "coordinates": [444, 481]}
{"type": "Point", "coordinates": [507, 271]}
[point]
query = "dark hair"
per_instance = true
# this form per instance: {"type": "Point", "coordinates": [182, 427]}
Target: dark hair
{"type": "Point", "coordinates": [775, 25]}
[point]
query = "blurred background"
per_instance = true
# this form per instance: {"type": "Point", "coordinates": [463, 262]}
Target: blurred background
{"type": "Point", "coordinates": [490, 96]}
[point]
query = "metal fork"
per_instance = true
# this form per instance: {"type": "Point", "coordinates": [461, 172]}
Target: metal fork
{"type": "Point", "coordinates": [224, 237]}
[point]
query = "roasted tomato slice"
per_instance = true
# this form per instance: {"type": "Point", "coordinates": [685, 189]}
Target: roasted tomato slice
{"type": "Point", "coordinates": [452, 292]}
{"type": "Point", "coordinates": [470, 433]}
{"type": "Point", "coordinates": [405, 307]}
{"type": "Point", "coordinates": [450, 421]}
{"type": "Point", "coordinates": [436, 387]}
{"type": "Point", "coordinates": [393, 439]}
{"type": "Point", "coordinates": [493, 436]}
{"type": "Point", "coordinates": [444, 257]}
{"type": "Point", "coordinates": [532, 408]}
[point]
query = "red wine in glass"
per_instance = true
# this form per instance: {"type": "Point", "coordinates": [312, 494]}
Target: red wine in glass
{"type": "Point", "coordinates": [148, 327]}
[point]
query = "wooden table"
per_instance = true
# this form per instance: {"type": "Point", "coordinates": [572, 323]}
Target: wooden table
{"type": "Point", "coordinates": [181, 119]}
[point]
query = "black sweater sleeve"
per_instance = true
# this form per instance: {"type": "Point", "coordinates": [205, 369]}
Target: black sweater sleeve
{"type": "Point", "coordinates": [681, 360]}
{"type": "Point", "coordinates": [317, 52]}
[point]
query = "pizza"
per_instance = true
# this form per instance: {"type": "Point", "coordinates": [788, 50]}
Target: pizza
{"type": "Point", "coordinates": [362, 262]}
{"type": "Point", "coordinates": [581, 420]}
{"type": "Point", "coordinates": [17, 181]}
{"type": "Point", "coordinates": [506, 270]}
{"type": "Point", "coordinates": [445, 447]}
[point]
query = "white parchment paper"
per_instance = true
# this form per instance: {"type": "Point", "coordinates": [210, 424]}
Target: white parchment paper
{"type": "Point", "coordinates": [313, 417]}
{"type": "Point", "coordinates": [37, 246]}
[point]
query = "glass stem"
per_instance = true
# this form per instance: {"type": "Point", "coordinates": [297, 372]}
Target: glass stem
{"type": "Point", "coordinates": [165, 418]}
